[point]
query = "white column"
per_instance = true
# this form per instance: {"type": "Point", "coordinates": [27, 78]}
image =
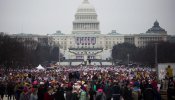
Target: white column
{"type": "Point", "coordinates": [98, 26]}
{"type": "Point", "coordinates": [90, 26]}
{"type": "Point", "coordinates": [78, 26]}
{"type": "Point", "coordinates": [75, 26]}
{"type": "Point", "coordinates": [95, 26]}
{"type": "Point", "coordinates": [81, 26]}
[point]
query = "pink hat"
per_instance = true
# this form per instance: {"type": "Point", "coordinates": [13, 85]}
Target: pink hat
{"type": "Point", "coordinates": [100, 90]}
{"type": "Point", "coordinates": [35, 83]}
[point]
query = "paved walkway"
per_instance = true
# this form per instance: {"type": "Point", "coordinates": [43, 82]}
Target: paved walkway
{"type": "Point", "coordinates": [162, 92]}
{"type": "Point", "coordinates": [5, 98]}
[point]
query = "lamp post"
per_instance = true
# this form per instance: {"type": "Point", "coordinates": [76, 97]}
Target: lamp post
{"type": "Point", "coordinates": [59, 57]}
{"type": "Point", "coordinates": [156, 65]}
{"type": "Point", "coordinates": [85, 57]}
{"type": "Point", "coordinates": [128, 59]}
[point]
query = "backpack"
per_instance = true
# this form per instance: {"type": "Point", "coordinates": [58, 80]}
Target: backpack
{"type": "Point", "coordinates": [149, 94]}
{"type": "Point", "coordinates": [99, 96]}
{"type": "Point", "coordinates": [83, 95]}
{"type": "Point", "coordinates": [74, 96]}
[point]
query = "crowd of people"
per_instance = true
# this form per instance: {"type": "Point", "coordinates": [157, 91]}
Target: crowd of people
{"type": "Point", "coordinates": [83, 83]}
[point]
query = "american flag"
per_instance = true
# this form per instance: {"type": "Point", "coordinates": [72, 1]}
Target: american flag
{"type": "Point", "coordinates": [78, 40]}
{"type": "Point", "coordinates": [82, 40]}
{"type": "Point", "coordinates": [93, 40]}
{"type": "Point", "coordinates": [85, 39]}
{"type": "Point", "coordinates": [89, 40]}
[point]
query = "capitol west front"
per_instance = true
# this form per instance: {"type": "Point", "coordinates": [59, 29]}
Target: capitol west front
{"type": "Point", "coordinates": [87, 42]}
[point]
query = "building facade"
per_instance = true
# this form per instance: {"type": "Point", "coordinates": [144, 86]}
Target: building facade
{"type": "Point", "coordinates": [87, 42]}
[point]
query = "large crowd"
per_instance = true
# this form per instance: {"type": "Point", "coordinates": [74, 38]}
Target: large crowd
{"type": "Point", "coordinates": [84, 83]}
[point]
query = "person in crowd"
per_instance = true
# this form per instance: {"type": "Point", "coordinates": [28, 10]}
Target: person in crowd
{"type": "Point", "coordinates": [18, 90]}
{"type": "Point", "coordinates": [108, 90]}
{"type": "Point", "coordinates": [10, 90]}
{"type": "Point", "coordinates": [92, 94]}
{"type": "Point", "coordinates": [25, 94]}
{"type": "Point", "coordinates": [59, 95]}
{"type": "Point", "coordinates": [75, 93]}
{"type": "Point", "coordinates": [68, 93]}
{"type": "Point", "coordinates": [34, 95]}
{"type": "Point", "coordinates": [149, 93]}
{"type": "Point", "coordinates": [49, 95]}
{"type": "Point", "coordinates": [116, 91]}
{"type": "Point", "coordinates": [127, 92]}
{"type": "Point", "coordinates": [169, 73]}
{"type": "Point", "coordinates": [100, 95]}
{"type": "Point", "coordinates": [41, 91]}
{"type": "Point", "coordinates": [83, 95]}
{"type": "Point", "coordinates": [2, 89]}
{"type": "Point", "coordinates": [171, 91]}
{"type": "Point", "coordinates": [136, 92]}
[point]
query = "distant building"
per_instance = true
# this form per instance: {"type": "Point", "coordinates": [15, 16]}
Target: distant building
{"type": "Point", "coordinates": [130, 38]}
{"type": "Point", "coordinates": [171, 38]}
{"type": "Point", "coordinates": [31, 40]}
{"type": "Point", "coordinates": [154, 34]}
{"type": "Point", "coordinates": [156, 29]}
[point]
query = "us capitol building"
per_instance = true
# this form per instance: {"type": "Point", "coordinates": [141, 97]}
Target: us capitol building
{"type": "Point", "coordinates": [86, 40]}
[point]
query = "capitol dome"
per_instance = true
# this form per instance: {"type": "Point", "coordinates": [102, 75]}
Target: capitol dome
{"type": "Point", "coordinates": [86, 21]}
{"type": "Point", "coordinates": [86, 7]}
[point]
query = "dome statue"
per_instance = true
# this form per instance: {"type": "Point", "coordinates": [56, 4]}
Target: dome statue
{"type": "Point", "coordinates": [86, 7]}
{"type": "Point", "coordinates": [156, 23]}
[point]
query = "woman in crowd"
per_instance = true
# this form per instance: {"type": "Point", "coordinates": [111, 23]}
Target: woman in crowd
{"type": "Point", "coordinates": [34, 95]}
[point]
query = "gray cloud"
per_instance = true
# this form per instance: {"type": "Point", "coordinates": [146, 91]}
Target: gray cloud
{"type": "Point", "coordinates": [47, 16]}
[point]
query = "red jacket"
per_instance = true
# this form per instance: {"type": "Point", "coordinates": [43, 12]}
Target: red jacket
{"type": "Point", "coordinates": [47, 96]}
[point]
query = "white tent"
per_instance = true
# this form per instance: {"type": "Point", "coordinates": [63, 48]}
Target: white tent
{"type": "Point", "coordinates": [40, 67]}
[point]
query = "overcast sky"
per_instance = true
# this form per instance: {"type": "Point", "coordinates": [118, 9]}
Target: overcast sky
{"type": "Point", "coordinates": [48, 16]}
